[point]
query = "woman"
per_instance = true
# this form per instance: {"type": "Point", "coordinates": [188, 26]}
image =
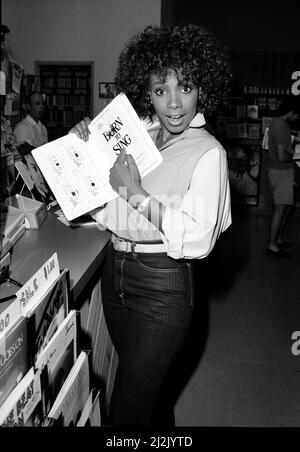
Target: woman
{"type": "Point", "coordinates": [170, 75]}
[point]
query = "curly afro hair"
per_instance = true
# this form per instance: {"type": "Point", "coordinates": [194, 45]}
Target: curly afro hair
{"type": "Point", "coordinates": [195, 52]}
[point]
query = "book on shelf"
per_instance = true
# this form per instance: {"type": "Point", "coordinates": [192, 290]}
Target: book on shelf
{"type": "Point", "coordinates": [231, 128]}
{"type": "Point", "coordinates": [91, 414]}
{"type": "Point", "coordinates": [14, 357]}
{"type": "Point", "coordinates": [241, 111]}
{"type": "Point", "coordinates": [73, 395]}
{"type": "Point", "coordinates": [254, 131]}
{"type": "Point", "coordinates": [78, 171]}
{"type": "Point", "coordinates": [30, 82]}
{"type": "Point", "coordinates": [272, 104]}
{"type": "Point", "coordinates": [242, 129]}
{"type": "Point", "coordinates": [57, 358]}
{"type": "Point", "coordinates": [21, 408]}
{"type": "Point", "coordinates": [46, 316]}
{"type": "Point", "coordinates": [36, 416]}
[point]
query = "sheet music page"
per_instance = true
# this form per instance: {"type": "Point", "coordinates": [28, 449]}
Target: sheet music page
{"type": "Point", "coordinates": [78, 174]}
{"type": "Point", "coordinates": [118, 127]}
{"type": "Point", "coordinates": [78, 171]}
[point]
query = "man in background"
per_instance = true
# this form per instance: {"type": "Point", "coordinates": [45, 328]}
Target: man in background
{"type": "Point", "coordinates": [30, 133]}
{"type": "Point", "coordinates": [31, 130]}
{"type": "Point", "coordinates": [281, 172]}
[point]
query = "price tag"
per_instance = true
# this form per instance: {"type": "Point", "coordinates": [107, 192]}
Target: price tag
{"type": "Point", "coordinates": [38, 284]}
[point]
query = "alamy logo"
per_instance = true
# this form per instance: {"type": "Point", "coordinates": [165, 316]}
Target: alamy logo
{"type": "Point", "coordinates": [295, 349]}
{"type": "Point", "coordinates": [296, 84]}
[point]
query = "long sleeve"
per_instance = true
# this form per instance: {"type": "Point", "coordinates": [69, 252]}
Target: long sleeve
{"type": "Point", "coordinates": [191, 229]}
{"type": "Point", "coordinates": [205, 212]}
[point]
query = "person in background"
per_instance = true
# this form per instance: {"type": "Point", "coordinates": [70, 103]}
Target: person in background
{"type": "Point", "coordinates": [31, 130]}
{"type": "Point", "coordinates": [281, 171]}
{"type": "Point", "coordinates": [31, 133]}
{"type": "Point", "coordinates": [160, 224]}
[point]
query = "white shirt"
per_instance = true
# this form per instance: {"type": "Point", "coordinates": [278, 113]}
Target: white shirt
{"type": "Point", "coordinates": [35, 133]}
{"type": "Point", "coordinates": [191, 230]}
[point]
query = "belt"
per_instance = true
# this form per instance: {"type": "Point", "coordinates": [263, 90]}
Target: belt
{"type": "Point", "coordinates": [134, 247]}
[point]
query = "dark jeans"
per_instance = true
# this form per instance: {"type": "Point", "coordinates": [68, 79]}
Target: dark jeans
{"type": "Point", "coordinates": [148, 305]}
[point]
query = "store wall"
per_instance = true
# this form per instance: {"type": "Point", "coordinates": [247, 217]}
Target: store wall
{"type": "Point", "coordinates": [75, 30]}
{"type": "Point", "coordinates": [243, 25]}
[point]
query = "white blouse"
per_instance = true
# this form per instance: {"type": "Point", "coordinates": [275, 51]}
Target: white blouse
{"type": "Point", "coordinates": [191, 230]}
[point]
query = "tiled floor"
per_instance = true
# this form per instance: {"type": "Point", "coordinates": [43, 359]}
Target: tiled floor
{"type": "Point", "coordinates": [240, 370]}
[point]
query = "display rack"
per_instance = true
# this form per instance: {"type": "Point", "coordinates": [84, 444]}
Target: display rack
{"type": "Point", "coordinates": [261, 79]}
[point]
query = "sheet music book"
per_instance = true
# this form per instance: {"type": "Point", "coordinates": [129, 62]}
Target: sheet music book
{"type": "Point", "coordinates": [78, 171]}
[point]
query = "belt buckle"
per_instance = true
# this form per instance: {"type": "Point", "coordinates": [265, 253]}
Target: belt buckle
{"type": "Point", "coordinates": [129, 246]}
{"type": "Point", "coordinates": [120, 245]}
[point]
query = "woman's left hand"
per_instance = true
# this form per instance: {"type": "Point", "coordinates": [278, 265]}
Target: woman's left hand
{"type": "Point", "coordinates": [125, 177]}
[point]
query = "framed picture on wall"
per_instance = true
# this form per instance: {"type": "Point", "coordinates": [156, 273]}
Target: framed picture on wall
{"type": "Point", "coordinates": [107, 90]}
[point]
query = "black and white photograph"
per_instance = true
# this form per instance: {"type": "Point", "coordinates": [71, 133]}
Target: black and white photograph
{"type": "Point", "coordinates": [107, 90]}
{"type": "Point", "coordinates": [174, 127]}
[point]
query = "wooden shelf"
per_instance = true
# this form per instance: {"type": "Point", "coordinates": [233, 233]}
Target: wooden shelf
{"type": "Point", "coordinates": [67, 86]}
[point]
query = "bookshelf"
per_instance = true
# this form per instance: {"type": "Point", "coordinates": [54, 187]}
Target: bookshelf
{"type": "Point", "coordinates": [261, 79]}
{"type": "Point", "coordinates": [240, 126]}
{"type": "Point", "coordinates": [68, 90]}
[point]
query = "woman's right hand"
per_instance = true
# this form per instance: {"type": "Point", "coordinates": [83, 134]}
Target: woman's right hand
{"type": "Point", "coordinates": [82, 129]}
